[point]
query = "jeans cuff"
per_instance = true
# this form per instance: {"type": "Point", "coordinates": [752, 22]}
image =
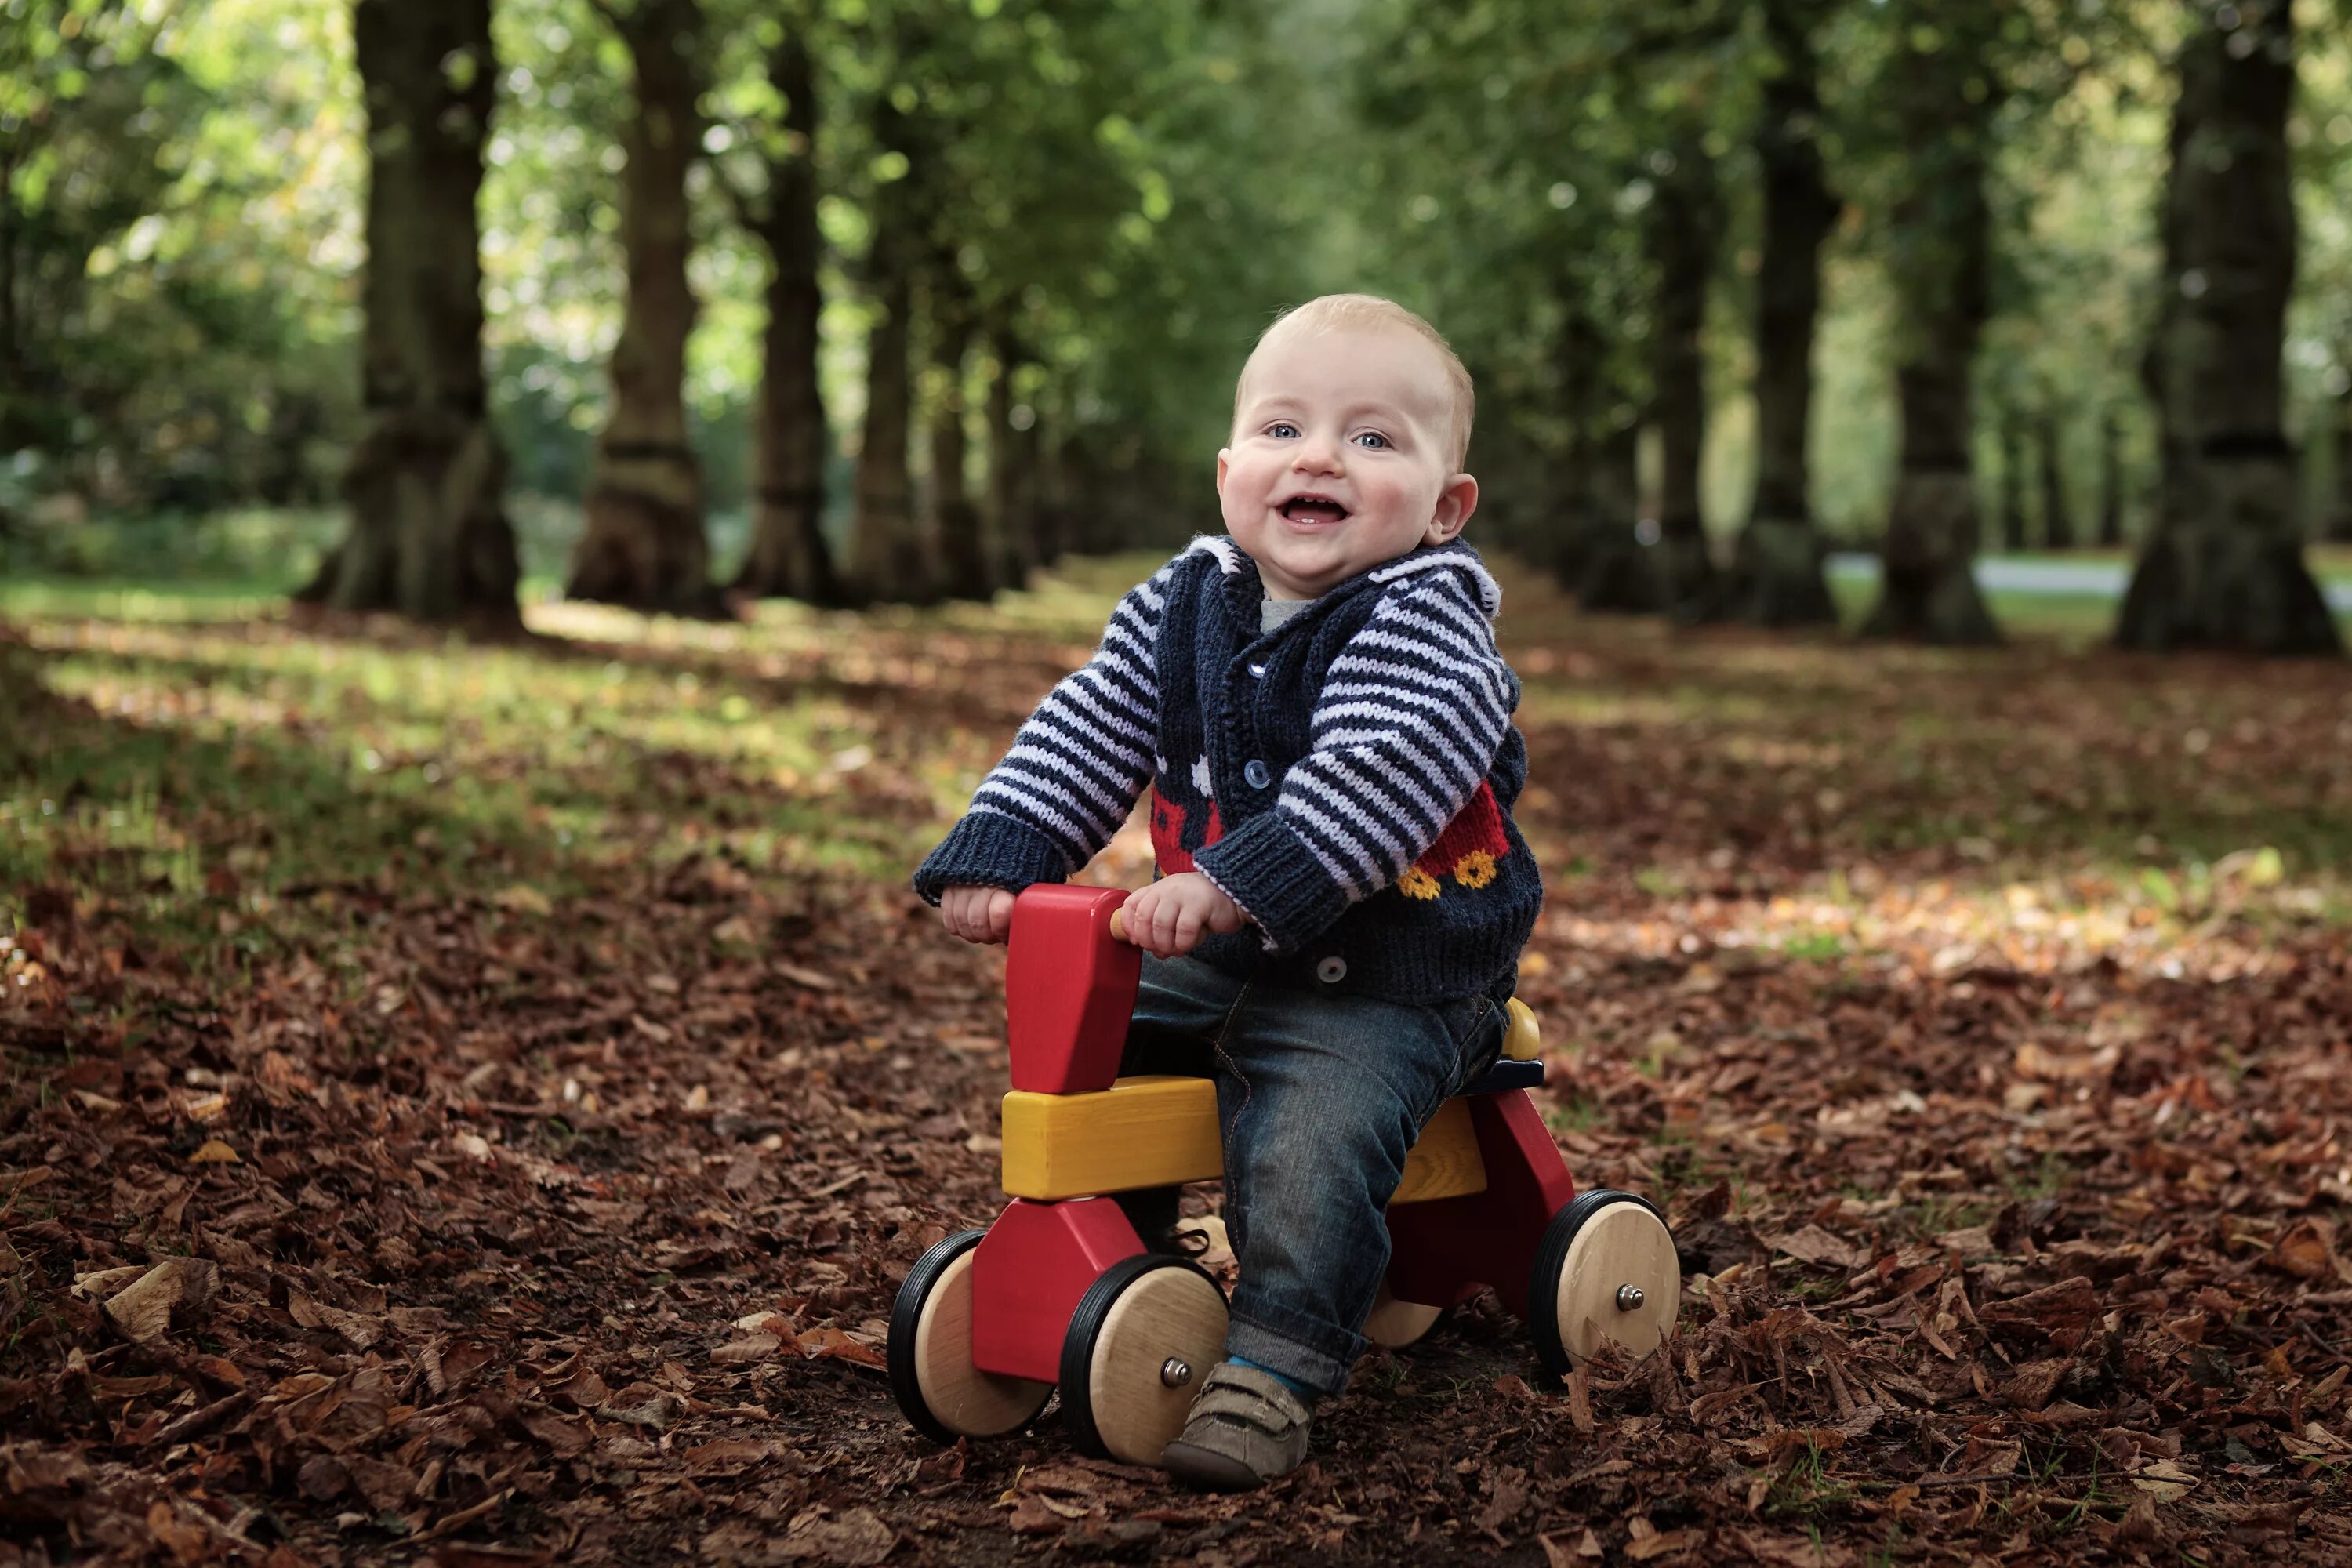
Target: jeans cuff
{"type": "Point", "coordinates": [1302, 1349]}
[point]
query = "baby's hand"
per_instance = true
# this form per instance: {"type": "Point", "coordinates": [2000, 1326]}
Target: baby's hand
{"type": "Point", "coordinates": [1170, 916]}
{"type": "Point", "coordinates": [977, 914]}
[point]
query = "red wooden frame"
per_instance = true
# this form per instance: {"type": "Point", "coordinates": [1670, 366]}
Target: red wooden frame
{"type": "Point", "coordinates": [1028, 1273]}
{"type": "Point", "coordinates": [1443, 1251]}
{"type": "Point", "coordinates": [1069, 989]}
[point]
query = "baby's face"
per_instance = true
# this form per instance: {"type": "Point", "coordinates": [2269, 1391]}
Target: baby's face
{"type": "Point", "coordinates": [1339, 458]}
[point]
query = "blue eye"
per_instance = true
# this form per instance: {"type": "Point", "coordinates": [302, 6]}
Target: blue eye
{"type": "Point", "coordinates": [1373, 439]}
{"type": "Point", "coordinates": [1282, 430]}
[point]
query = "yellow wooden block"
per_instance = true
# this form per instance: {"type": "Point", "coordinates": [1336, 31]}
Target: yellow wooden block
{"type": "Point", "coordinates": [1446, 1162]}
{"type": "Point", "coordinates": [1524, 1042]}
{"type": "Point", "coordinates": [1157, 1131]}
{"type": "Point", "coordinates": [1146, 1131]}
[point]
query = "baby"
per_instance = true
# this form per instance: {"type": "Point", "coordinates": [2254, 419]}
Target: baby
{"type": "Point", "coordinates": [1316, 703]}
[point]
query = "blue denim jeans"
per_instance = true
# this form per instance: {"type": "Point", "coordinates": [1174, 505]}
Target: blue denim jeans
{"type": "Point", "coordinates": [1319, 1098]}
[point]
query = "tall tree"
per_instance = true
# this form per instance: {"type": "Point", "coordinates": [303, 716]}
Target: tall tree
{"type": "Point", "coordinates": [428, 536]}
{"type": "Point", "coordinates": [966, 562]}
{"type": "Point", "coordinates": [789, 557]}
{"type": "Point", "coordinates": [889, 557]}
{"type": "Point", "coordinates": [1777, 572]}
{"type": "Point", "coordinates": [2111, 480]}
{"type": "Point", "coordinates": [1686, 220]}
{"type": "Point", "coordinates": [2009, 508]}
{"type": "Point", "coordinates": [2224, 566]}
{"type": "Point", "coordinates": [2337, 516]}
{"type": "Point", "coordinates": [644, 545]}
{"type": "Point", "coordinates": [1940, 91]}
{"type": "Point", "coordinates": [2050, 464]}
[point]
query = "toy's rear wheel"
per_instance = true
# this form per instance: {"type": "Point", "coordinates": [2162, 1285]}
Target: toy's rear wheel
{"type": "Point", "coordinates": [1605, 1271]}
{"type": "Point", "coordinates": [1139, 1348]}
{"type": "Point", "coordinates": [939, 1391]}
{"type": "Point", "coordinates": [1395, 1324]}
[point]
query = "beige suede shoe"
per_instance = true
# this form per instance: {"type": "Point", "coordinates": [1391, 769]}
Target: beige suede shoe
{"type": "Point", "coordinates": [1245, 1429]}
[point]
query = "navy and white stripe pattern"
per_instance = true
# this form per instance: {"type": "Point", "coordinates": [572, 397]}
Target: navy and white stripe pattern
{"type": "Point", "coordinates": [1409, 721]}
{"type": "Point", "coordinates": [1081, 760]}
{"type": "Point", "coordinates": [1303, 769]}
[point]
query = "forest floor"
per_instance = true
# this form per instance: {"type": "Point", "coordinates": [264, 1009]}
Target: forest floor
{"type": "Point", "coordinates": [475, 1105]}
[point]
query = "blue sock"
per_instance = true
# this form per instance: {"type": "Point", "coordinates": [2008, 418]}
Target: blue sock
{"type": "Point", "coordinates": [1291, 1384]}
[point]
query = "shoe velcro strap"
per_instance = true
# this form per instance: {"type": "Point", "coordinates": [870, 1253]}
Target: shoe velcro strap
{"type": "Point", "coordinates": [1256, 1398]}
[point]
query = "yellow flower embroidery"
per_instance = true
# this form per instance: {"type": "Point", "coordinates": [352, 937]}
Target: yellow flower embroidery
{"type": "Point", "coordinates": [1417, 883]}
{"type": "Point", "coordinates": [1475, 869]}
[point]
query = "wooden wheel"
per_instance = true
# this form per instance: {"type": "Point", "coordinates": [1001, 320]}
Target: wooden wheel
{"type": "Point", "coordinates": [1606, 1271]}
{"type": "Point", "coordinates": [938, 1388]}
{"type": "Point", "coordinates": [1140, 1346]}
{"type": "Point", "coordinates": [1396, 1325]}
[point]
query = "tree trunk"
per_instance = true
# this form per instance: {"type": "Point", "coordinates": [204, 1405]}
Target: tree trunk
{"type": "Point", "coordinates": [2224, 567]}
{"type": "Point", "coordinates": [887, 557]}
{"type": "Point", "coordinates": [2111, 480]}
{"type": "Point", "coordinates": [1777, 576]}
{"type": "Point", "coordinates": [1013, 466]}
{"type": "Point", "coordinates": [644, 543]}
{"type": "Point", "coordinates": [2013, 483]}
{"type": "Point", "coordinates": [1685, 221]}
{"type": "Point", "coordinates": [2057, 517]}
{"type": "Point", "coordinates": [1940, 261]}
{"type": "Point", "coordinates": [967, 568]}
{"type": "Point", "coordinates": [788, 557]}
{"type": "Point", "coordinates": [1621, 571]}
{"type": "Point", "coordinates": [2340, 519]}
{"type": "Point", "coordinates": [429, 536]}
{"type": "Point", "coordinates": [1579, 350]}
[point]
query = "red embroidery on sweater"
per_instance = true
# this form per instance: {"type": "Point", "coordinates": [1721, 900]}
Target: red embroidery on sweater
{"type": "Point", "coordinates": [1168, 833]}
{"type": "Point", "coordinates": [1467, 851]}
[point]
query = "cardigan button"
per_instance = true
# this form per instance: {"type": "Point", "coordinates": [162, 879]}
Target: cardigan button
{"type": "Point", "coordinates": [1254, 772]}
{"type": "Point", "coordinates": [1331, 970]}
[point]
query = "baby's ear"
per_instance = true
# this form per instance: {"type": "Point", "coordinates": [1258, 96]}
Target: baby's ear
{"type": "Point", "coordinates": [1456, 502]}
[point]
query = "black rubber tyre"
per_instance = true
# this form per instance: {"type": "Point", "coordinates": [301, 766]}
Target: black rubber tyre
{"type": "Point", "coordinates": [1544, 1280]}
{"type": "Point", "coordinates": [974, 1403]}
{"type": "Point", "coordinates": [1088, 1401]}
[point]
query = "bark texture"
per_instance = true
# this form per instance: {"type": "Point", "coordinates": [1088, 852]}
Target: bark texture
{"type": "Point", "coordinates": [1776, 578]}
{"type": "Point", "coordinates": [643, 544]}
{"type": "Point", "coordinates": [2111, 479]}
{"type": "Point", "coordinates": [429, 536]}
{"type": "Point", "coordinates": [2224, 566]}
{"type": "Point", "coordinates": [1013, 459]}
{"type": "Point", "coordinates": [2050, 465]}
{"type": "Point", "coordinates": [1686, 218]}
{"type": "Point", "coordinates": [1943, 99]}
{"type": "Point", "coordinates": [967, 564]}
{"type": "Point", "coordinates": [1578, 351]}
{"type": "Point", "coordinates": [2339, 523]}
{"type": "Point", "coordinates": [789, 557]}
{"type": "Point", "coordinates": [889, 557]}
{"type": "Point", "coordinates": [2010, 506]}
{"type": "Point", "coordinates": [1620, 572]}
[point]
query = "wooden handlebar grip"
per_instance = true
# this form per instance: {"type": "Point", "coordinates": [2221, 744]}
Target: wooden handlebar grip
{"type": "Point", "coordinates": [1119, 924]}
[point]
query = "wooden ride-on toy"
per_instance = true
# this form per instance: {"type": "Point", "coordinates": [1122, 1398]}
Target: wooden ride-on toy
{"type": "Point", "coordinates": [1060, 1290]}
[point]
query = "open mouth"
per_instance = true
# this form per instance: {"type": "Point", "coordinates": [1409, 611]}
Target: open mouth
{"type": "Point", "coordinates": [1312, 508]}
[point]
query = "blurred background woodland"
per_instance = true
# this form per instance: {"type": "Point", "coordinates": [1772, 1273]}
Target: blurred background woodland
{"type": "Point", "coordinates": [858, 300]}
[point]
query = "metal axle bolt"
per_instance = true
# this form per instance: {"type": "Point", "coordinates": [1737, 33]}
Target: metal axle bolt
{"type": "Point", "coordinates": [1175, 1372]}
{"type": "Point", "coordinates": [1630, 1298]}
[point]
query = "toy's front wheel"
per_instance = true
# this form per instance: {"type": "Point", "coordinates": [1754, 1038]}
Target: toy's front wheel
{"type": "Point", "coordinates": [1139, 1348]}
{"type": "Point", "coordinates": [938, 1388]}
{"type": "Point", "coordinates": [1606, 1270]}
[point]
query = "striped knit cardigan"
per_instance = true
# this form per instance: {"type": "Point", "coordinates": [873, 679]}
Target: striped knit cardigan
{"type": "Point", "coordinates": [1346, 779]}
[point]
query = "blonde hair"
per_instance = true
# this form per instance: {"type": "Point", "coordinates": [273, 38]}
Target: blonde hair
{"type": "Point", "coordinates": [1362, 312]}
